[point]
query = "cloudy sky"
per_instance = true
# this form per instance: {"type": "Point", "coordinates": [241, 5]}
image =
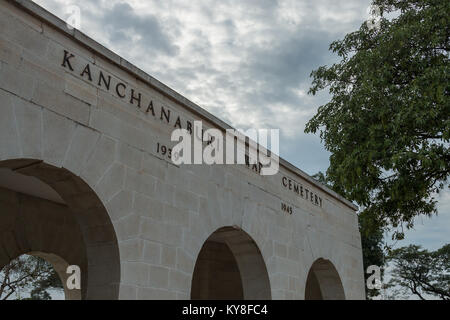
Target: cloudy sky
{"type": "Point", "coordinates": [247, 62]}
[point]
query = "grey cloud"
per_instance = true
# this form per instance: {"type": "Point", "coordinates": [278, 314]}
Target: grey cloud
{"type": "Point", "coordinates": [262, 79]}
{"type": "Point", "coordinates": [431, 232]}
{"type": "Point", "coordinates": [306, 152]}
{"type": "Point", "coordinates": [288, 65]}
{"type": "Point", "coordinates": [122, 23]}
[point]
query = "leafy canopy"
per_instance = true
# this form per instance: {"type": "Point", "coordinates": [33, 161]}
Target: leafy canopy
{"type": "Point", "coordinates": [422, 272]}
{"type": "Point", "coordinates": [387, 124]}
{"type": "Point", "coordinates": [28, 274]}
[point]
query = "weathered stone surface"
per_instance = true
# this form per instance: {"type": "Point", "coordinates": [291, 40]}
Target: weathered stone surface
{"type": "Point", "coordinates": [10, 52]}
{"type": "Point", "coordinates": [29, 124]}
{"type": "Point", "coordinates": [142, 226]}
{"type": "Point", "coordinates": [57, 134]}
{"type": "Point", "coordinates": [128, 227]}
{"type": "Point", "coordinates": [140, 182]}
{"type": "Point", "coordinates": [9, 138]}
{"type": "Point", "coordinates": [80, 149]}
{"type": "Point", "coordinates": [152, 252]}
{"type": "Point", "coordinates": [129, 156]}
{"type": "Point", "coordinates": [120, 205]}
{"type": "Point", "coordinates": [100, 161]}
{"type": "Point", "coordinates": [155, 294]}
{"type": "Point", "coordinates": [148, 206]}
{"type": "Point", "coordinates": [111, 183]}
{"type": "Point", "coordinates": [47, 95]}
{"type": "Point", "coordinates": [81, 90]}
{"type": "Point", "coordinates": [154, 230]}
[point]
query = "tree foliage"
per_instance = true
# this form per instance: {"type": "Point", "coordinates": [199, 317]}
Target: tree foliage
{"type": "Point", "coordinates": [422, 272]}
{"type": "Point", "coordinates": [387, 124]}
{"type": "Point", "coordinates": [28, 274]}
{"type": "Point", "coordinates": [372, 244]}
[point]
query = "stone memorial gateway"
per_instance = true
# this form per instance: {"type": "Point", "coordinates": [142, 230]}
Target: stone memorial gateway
{"type": "Point", "coordinates": [86, 179]}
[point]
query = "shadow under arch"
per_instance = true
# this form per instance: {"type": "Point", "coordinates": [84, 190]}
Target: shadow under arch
{"type": "Point", "coordinates": [52, 212]}
{"type": "Point", "coordinates": [323, 282]}
{"type": "Point", "coordinates": [230, 266]}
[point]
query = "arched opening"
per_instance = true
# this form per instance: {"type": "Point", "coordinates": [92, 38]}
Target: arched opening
{"type": "Point", "coordinates": [36, 276]}
{"type": "Point", "coordinates": [323, 282]}
{"type": "Point", "coordinates": [230, 266]}
{"type": "Point", "coordinates": [52, 213]}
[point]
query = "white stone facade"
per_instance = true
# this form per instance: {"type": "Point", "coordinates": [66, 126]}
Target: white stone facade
{"type": "Point", "coordinates": [138, 222]}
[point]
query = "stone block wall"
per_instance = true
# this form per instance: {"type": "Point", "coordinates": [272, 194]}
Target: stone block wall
{"type": "Point", "coordinates": [161, 214]}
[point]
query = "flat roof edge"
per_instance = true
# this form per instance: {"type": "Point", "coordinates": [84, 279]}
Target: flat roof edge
{"type": "Point", "coordinates": [92, 45]}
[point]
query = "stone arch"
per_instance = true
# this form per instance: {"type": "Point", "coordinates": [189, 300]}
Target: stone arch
{"type": "Point", "coordinates": [60, 265]}
{"type": "Point", "coordinates": [230, 266]}
{"type": "Point", "coordinates": [53, 213]}
{"type": "Point", "coordinates": [323, 282]}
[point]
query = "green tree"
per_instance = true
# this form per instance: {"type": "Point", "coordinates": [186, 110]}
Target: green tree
{"type": "Point", "coordinates": [372, 244]}
{"type": "Point", "coordinates": [387, 124]}
{"type": "Point", "coordinates": [421, 272]}
{"type": "Point", "coordinates": [28, 274]}
{"type": "Point", "coordinates": [372, 239]}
